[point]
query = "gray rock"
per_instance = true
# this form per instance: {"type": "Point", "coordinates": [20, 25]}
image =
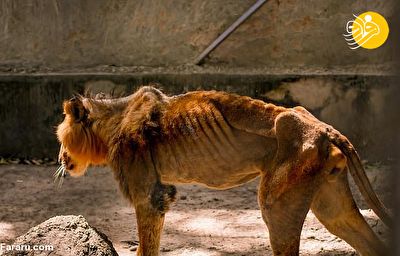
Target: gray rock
{"type": "Point", "coordinates": [68, 235]}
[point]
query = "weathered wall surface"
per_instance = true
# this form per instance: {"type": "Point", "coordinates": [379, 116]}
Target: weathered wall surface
{"type": "Point", "coordinates": [66, 46]}
{"type": "Point", "coordinates": [364, 108]}
{"type": "Point", "coordinates": [305, 35]}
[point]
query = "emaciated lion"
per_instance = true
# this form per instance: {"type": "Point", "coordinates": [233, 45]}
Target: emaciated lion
{"type": "Point", "coordinates": [221, 140]}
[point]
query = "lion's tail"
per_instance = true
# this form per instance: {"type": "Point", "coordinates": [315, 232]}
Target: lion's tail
{"type": "Point", "coordinates": [358, 173]}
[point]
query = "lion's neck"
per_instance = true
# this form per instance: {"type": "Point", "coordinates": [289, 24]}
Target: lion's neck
{"type": "Point", "coordinates": [127, 118]}
{"type": "Point", "coordinates": [108, 129]}
{"type": "Point", "coordinates": [106, 121]}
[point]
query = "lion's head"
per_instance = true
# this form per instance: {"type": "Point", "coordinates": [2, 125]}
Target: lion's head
{"type": "Point", "coordinates": [80, 145]}
{"type": "Point", "coordinates": [92, 123]}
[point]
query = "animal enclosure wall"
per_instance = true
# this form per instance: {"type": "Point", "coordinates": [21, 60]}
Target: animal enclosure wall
{"type": "Point", "coordinates": [295, 36]}
{"type": "Point", "coordinates": [363, 107]}
{"type": "Point", "coordinates": [289, 52]}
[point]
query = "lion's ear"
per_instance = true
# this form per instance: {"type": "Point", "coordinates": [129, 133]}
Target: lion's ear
{"type": "Point", "coordinates": [74, 107]}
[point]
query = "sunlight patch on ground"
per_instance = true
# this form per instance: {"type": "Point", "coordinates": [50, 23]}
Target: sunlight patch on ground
{"type": "Point", "coordinates": [241, 223]}
{"type": "Point", "coordinates": [193, 252]}
{"type": "Point", "coordinates": [205, 224]}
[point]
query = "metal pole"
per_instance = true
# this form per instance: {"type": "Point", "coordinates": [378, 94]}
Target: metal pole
{"type": "Point", "coordinates": [229, 30]}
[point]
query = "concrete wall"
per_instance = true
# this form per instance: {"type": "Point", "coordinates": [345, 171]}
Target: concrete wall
{"type": "Point", "coordinates": [363, 108]}
{"type": "Point", "coordinates": [50, 49]}
{"type": "Point", "coordinates": [301, 35]}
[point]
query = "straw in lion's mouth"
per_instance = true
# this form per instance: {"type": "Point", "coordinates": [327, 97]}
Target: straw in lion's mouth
{"type": "Point", "coordinates": [60, 174]}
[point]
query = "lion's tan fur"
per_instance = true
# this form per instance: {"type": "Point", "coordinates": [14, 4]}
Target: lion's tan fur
{"type": "Point", "coordinates": [220, 140]}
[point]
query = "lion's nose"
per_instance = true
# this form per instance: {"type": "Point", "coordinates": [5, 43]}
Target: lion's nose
{"type": "Point", "coordinates": [67, 161]}
{"type": "Point", "coordinates": [70, 166]}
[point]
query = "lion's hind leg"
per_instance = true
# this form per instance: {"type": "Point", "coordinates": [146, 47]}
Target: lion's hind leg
{"type": "Point", "coordinates": [334, 206]}
{"type": "Point", "coordinates": [287, 189]}
{"type": "Point", "coordinates": [284, 210]}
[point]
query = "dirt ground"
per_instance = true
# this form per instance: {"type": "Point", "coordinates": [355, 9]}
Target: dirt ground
{"type": "Point", "coordinates": [202, 222]}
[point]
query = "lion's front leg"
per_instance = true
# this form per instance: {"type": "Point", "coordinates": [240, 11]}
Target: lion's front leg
{"type": "Point", "coordinates": [150, 212]}
{"type": "Point", "coordinates": [140, 183]}
{"type": "Point", "coordinates": [150, 224]}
